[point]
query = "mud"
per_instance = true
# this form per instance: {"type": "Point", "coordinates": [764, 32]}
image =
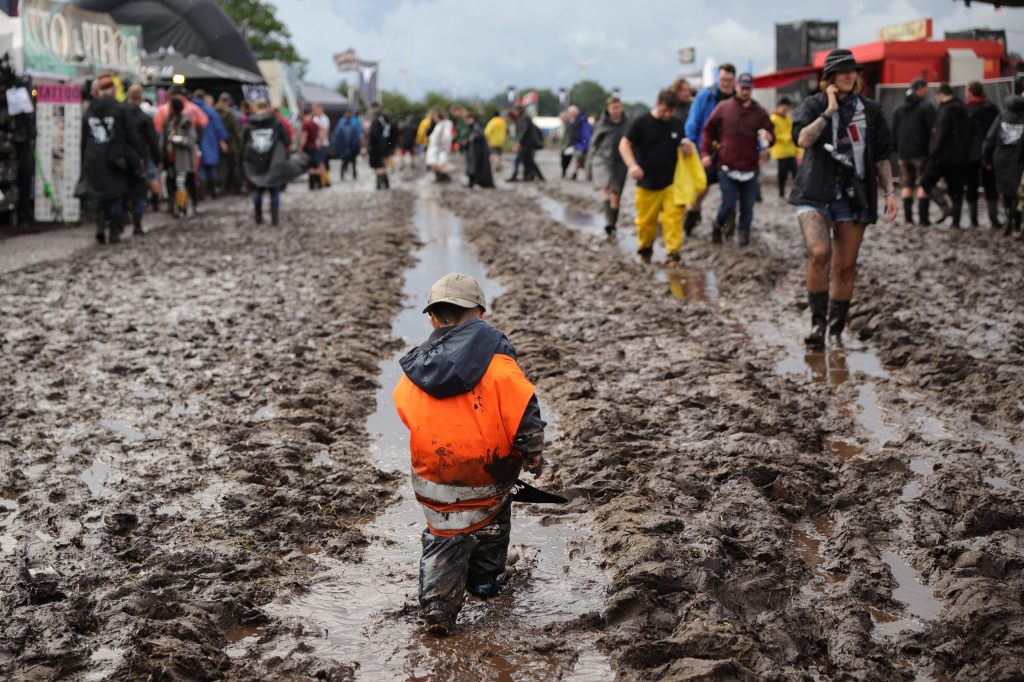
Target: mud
{"type": "Point", "coordinates": [183, 419]}
{"type": "Point", "coordinates": [202, 476]}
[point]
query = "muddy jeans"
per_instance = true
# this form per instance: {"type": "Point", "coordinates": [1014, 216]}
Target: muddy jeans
{"type": "Point", "coordinates": [450, 564]}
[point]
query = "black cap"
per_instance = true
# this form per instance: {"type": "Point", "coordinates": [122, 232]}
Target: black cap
{"type": "Point", "coordinates": [840, 59]}
{"type": "Point", "coordinates": [918, 83]}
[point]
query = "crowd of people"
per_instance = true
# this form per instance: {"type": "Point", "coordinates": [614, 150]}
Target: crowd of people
{"type": "Point", "coordinates": [835, 148]}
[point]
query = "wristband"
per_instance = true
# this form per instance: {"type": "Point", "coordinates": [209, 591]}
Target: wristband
{"type": "Point", "coordinates": [891, 194]}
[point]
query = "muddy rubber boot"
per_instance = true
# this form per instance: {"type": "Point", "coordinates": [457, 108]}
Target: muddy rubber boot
{"type": "Point", "coordinates": [180, 202]}
{"type": "Point", "coordinates": [908, 211]}
{"type": "Point", "coordinates": [275, 215]}
{"type": "Point", "coordinates": [922, 208]}
{"type": "Point", "coordinates": [939, 198]}
{"type": "Point", "coordinates": [137, 225]}
{"type": "Point", "coordinates": [955, 211]}
{"type": "Point", "coordinates": [729, 228]}
{"type": "Point", "coordinates": [101, 229]}
{"type": "Point", "coordinates": [819, 319]}
{"type": "Point", "coordinates": [258, 213]}
{"type": "Point", "coordinates": [439, 623]}
{"type": "Point", "coordinates": [690, 222]}
{"type": "Point", "coordinates": [645, 254]}
{"type": "Point", "coordinates": [993, 214]}
{"type": "Point", "coordinates": [613, 221]}
{"type": "Point", "coordinates": [115, 227]}
{"type": "Point", "coordinates": [972, 212]}
{"type": "Point", "coordinates": [386, 181]}
{"type": "Point", "coordinates": [716, 233]}
{"type": "Point", "coordinates": [309, 180]}
{"type": "Point", "coordinates": [837, 312]}
{"type": "Point", "coordinates": [744, 237]}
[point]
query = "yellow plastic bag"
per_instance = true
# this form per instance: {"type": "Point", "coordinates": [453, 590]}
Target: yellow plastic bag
{"type": "Point", "coordinates": [690, 178]}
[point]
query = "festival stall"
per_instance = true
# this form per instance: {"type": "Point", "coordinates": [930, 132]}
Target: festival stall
{"type": "Point", "coordinates": [64, 48]}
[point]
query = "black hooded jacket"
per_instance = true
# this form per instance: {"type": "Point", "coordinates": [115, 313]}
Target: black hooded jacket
{"type": "Point", "coordinates": [912, 128]}
{"type": "Point", "coordinates": [1004, 145]}
{"type": "Point", "coordinates": [982, 112]}
{"type": "Point", "coordinates": [452, 362]}
{"type": "Point", "coordinates": [952, 136]}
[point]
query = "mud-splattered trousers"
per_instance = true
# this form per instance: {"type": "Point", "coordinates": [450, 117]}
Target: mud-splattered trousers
{"type": "Point", "coordinates": [451, 564]}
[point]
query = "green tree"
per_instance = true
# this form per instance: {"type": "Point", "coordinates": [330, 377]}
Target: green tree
{"type": "Point", "coordinates": [399, 105]}
{"type": "Point", "coordinates": [589, 96]}
{"type": "Point", "coordinates": [266, 35]}
{"type": "Point", "coordinates": [547, 101]}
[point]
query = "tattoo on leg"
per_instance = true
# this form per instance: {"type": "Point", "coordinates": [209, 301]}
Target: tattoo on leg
{"type": "Point", "coordinates": [815, 227]}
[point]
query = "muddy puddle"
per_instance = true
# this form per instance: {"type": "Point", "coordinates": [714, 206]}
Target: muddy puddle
{"type": "Point", "coordinates": [367, 613]}
{"type": "Point", "coordinates": [693, 285]}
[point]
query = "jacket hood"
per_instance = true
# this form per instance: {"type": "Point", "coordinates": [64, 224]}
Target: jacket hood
{"type": "Point", "coordinates": [454, 359]}
{"type": "Point", "coordinates": [1014, 102]}
{"type": "Point", "coordinates": [912, 100]}
{"type": "Point", "coordinates": [262, 119]}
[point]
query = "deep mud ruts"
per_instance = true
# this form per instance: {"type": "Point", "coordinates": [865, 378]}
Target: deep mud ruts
{"type": "Point", "coordinates": [184, 445]}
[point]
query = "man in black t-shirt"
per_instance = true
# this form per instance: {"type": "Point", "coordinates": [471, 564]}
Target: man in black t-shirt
{"type": "Point", "coordinates": [649, 151]}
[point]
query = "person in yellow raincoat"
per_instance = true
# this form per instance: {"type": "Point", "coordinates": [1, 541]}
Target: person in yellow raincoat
{"type": "Point", "coordinates": [423, 133]}
{"type": "Point", "coordinates": [496, 132]}
{"type": "Point", "coordinates": [784, 151]}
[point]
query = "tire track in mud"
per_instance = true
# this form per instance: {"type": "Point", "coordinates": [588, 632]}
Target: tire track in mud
{"type": "Point", "coordinates": [858, 492]}
{"type": "Point", "coordinates": [186, 424]}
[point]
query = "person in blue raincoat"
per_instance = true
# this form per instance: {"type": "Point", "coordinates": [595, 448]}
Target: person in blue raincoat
{"type": "Point", "coordinates": [345, 142]}
{"type": "Point", "coordinates": [214, 140]}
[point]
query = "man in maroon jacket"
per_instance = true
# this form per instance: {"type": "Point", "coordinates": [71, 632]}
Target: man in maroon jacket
{"type": "Point", "coordinates": [733, 129]}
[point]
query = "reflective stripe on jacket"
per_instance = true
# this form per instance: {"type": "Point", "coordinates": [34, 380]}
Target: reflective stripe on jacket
{"type": "Point", "coordinates": [463, 461]}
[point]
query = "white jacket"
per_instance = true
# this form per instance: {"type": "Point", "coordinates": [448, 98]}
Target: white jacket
{"type": "Point", "coordinates": [439, 145]}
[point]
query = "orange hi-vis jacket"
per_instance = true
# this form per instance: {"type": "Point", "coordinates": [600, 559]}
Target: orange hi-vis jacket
{"type": "Point", "coordinates": [463, 461]}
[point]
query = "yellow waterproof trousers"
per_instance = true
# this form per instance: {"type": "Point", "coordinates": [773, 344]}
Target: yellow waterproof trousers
{"type": "Point", "coordinates": [649, 204]}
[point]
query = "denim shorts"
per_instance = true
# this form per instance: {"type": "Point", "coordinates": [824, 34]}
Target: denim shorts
{"type": "Point", "coordinates": [838, 210]}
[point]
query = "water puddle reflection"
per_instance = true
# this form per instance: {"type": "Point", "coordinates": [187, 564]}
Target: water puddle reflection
{"type": "Point", "coordinates": [919, 602]}
{"type": "Point", "coordinates": [122, 429]}
{"type": "Point", "coordinates": [367, 612]}
{"type": "Point", "coordinates": [95, 478]}
{"type": "Point", "coordinates": [693, 285]}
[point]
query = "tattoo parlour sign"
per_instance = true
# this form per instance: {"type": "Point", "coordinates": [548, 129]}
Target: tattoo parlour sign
{"type": "Point", "coordinates": [63, 39]}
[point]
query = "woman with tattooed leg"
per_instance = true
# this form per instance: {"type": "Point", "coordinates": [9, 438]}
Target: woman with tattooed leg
{"type": "Point", "coordinates": [848, 145]}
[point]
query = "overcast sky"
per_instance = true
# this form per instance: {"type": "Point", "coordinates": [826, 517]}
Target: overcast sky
{"type": "Point", "coordinates": [478, 48]}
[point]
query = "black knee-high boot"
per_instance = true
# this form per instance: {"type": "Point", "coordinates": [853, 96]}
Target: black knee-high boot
{"type": "Point", "coordinates": [837, 312]}
{"type": "Point", "coordinates": [386, 182]}
{"type": "Point", "coordinates": [922, 208]}
{"type": "Point", "coordinates": [690, 221]}
{"type": "Point", "coordinates": [993, 213]}
{"type": "Point", "coordinates": [819, 318]}
{"type": "Point", "coordinates": [956, 210]}
{"type": "Point", "coordinates": [908, 210]}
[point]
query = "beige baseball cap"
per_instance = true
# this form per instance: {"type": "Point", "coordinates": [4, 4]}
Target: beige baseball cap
{"type": "Point", "coordinates": [457, 289]}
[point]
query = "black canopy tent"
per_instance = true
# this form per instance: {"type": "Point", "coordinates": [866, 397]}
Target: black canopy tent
{"type": "Point", "coordinates": [204, 73]}
{"type": "Point", "coordinates": [191, 27]}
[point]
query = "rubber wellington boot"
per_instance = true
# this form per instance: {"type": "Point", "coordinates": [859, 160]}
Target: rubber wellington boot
{"type": "Point", "coordinates": [440, 623]}
{"type": "Point", "coordinates": [939, 198]}
{"type": "Point", "coordinates": [819, 319]}
{"type": "Point", "coordinates": [275, 215]}
{"type": "Point", "coordinates": [101, 228]}
{"type": "Point", "coordinates": [957, 209]}
{"type": "Point", "coordinates": [716, 233]}
{"type": "Point", "coordinates": [645, 254]}
{"type": "Point", "coordinates": [972, 212]}
{"type": "Point", "coordinates": [993, 214]}
{"type": "Point", "coordinates": [137, 225]}
{"type": "Point", "coordinates": [613, 222]}
{"type": "Point", "coordinates": [258, 214]}
{"type": "Point", "coordinates": [690, 222]}
{"type": "Point", "coordinates": [386, 181]}
{"type": "Point", "coordinates": [922, 208]}
{"type": "Point", "coordinates": [180, 202]}
{"type": "Point", "coordinates": [837, 312]}
{"type": "Point", "coordinates": [908, 210]}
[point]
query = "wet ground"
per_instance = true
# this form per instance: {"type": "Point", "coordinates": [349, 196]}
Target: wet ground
{"type": "Point", "coordinates": [203, 477]}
